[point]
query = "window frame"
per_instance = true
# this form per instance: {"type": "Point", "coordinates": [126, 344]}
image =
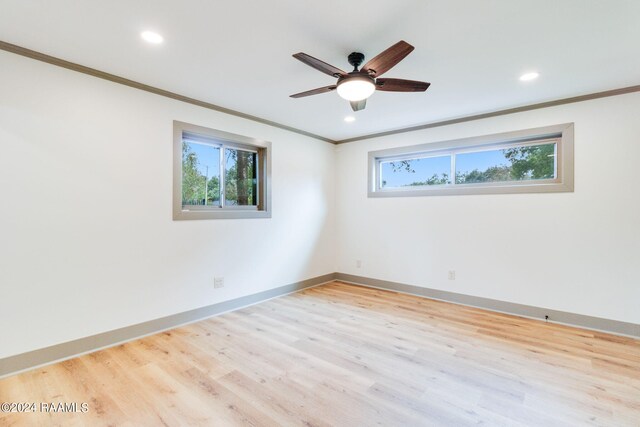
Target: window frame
{"type": "Point", "coordinates": [223, 140]}
{"type": "Point", "coordinates": [562, 134]}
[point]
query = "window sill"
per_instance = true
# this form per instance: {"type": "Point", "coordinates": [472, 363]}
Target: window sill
{"type": "Point", "coordinates": [220, 214]}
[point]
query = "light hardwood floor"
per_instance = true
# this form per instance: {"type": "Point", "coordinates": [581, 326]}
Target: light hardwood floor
{"type": "Point", "coordinates": [345, 355]}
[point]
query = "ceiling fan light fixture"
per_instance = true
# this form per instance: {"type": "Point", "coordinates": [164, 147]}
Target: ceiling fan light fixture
{"type": "Point", "coordinates": [356, 88]}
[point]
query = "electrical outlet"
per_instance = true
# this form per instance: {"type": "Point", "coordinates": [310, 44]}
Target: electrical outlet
{"type": "Point", "coordinates": [452, 275]}
{"type": "Point", "coordinates": [358, 264]}
{"type": "Point", "coordinates": [218, 282]}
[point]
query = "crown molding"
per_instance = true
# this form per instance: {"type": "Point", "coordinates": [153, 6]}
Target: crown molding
{"type": "Point", "coordinates": [22, 51]}
{"type": "Point", "coordinates": [562, 101]}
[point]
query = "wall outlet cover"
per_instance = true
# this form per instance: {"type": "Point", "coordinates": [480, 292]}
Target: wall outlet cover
{"type": "Point", "coordinates": [218, 282]}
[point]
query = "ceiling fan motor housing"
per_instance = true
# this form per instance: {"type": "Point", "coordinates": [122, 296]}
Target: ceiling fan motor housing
{"type": "Point", "coordinates": [355, 59]}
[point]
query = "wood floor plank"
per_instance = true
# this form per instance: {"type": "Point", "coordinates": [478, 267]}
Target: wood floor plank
{"type": "Point", "coordinates": [346, 355]}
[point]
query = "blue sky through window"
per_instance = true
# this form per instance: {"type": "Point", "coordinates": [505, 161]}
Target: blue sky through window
{"type": "Point", "coordinates": [208, 156]}
{"type": "Point", "coordinates": [481, 160]}
{"type": "Point", "coordinates": [424, 169]}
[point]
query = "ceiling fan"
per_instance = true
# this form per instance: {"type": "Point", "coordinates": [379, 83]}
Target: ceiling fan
{"type": "Point", "coordinates": [359, 85]}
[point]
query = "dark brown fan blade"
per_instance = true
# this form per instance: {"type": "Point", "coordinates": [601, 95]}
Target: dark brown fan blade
{"type": "Point", "coordinates": [358, 105]}
{"type": "Point", "coordinates": [314, 91]}
{"type": "Point", "coordinates": [388, 59]}
{"type": "Point", "coordinates": [400, 85]}
{"type": "Point", "coordinates": [319, 65]}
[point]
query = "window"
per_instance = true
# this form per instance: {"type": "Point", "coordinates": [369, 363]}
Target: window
{"type": "Point", "coordinates": [219, 175]}
{"type": "Point", "coordinates": [534, 160]}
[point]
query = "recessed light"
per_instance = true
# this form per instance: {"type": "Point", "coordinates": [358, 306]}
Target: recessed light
{"type": "Point", "coordinates": [349, 119]}
{"type": "Point", "coordinates": [529, 76]}
{"type": "Point", "coordinates": [151, 37]}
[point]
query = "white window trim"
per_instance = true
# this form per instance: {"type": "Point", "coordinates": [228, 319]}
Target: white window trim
{"type": "Point", "coordinates": [230, 140]}
{"type": "Point", "coordinates": [563, 182]}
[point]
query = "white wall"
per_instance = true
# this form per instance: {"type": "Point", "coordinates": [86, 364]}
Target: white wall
{"type": "Point", "coordinates": [87, 241]}
{"type": "Point", "coordinates": [577, 252]}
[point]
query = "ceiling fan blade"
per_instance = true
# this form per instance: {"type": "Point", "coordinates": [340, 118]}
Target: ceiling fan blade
{"type": "Point", "coordinates": [314, 91]}
{"type": "Point", "coordinates": [400, 85]}
{"type": "Point", "coordinates": [358, 105]}
{"type": "Point", "coordinates": [388, 59]}
{"type": "Point", "coordinates": [319, 65]}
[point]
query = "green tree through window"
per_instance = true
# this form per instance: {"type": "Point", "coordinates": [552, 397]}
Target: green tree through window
{"type": "Point", "coordinates": [199, 189]}
{"type": "Point", "coordinates": [240, 178]}
{"type": "Point", "coordinates": [196, 189]}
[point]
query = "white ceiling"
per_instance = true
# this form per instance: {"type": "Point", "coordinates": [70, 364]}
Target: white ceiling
{"type": "Point", "coordinates": [237, 54]}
